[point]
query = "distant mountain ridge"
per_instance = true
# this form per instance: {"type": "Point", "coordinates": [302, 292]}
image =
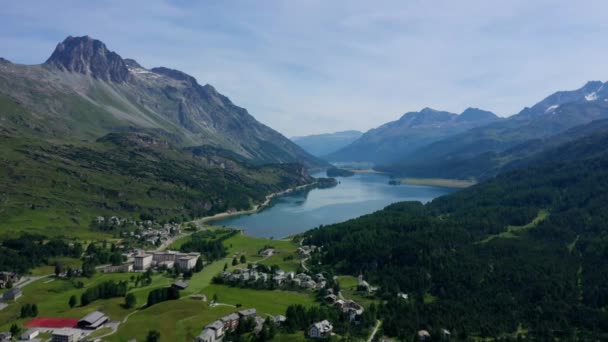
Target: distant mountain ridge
{"type": "Point", "coordinates": [396, 139]}
{"type": "Point", "coordinates": [84, 91]}
{"type": "Point", "coordinates": [323, 144]}
{"type": "Point", "coordinates": [484, 151]}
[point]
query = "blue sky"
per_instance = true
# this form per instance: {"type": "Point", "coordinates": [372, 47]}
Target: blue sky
{"type": "Point", "coordinates": [319, 66]}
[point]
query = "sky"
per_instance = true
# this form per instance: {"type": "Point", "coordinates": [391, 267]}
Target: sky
{"type": "Point", "coordinates": [317, 66]}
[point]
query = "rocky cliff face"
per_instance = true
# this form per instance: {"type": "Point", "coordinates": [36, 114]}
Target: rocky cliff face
{"type": "Point", "coordinates": [84, 91]}
{"type": "Point", "coordinates": [86, 55]}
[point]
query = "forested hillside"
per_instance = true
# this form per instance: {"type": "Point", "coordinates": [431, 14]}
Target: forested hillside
{"type": "Point", "coordinates": [525, 252]}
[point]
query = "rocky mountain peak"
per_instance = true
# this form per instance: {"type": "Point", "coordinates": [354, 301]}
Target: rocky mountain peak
{"type": "Point", "coordinates": [89, 56]}
{"type": "Point", "coordinates": [175, 74]}
{"type": "Point", "coordinates": [476, 114]}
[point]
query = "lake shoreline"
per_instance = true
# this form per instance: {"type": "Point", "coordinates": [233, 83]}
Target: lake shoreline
{"type": "Point", "coordinates": [256, 208]}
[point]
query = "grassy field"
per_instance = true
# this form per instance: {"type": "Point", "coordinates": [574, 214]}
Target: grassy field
{"type": "Point", "coordinates": [52, 295]}
{"type": "Point", "coordinates": [511, 232]}
{"type": "Point", "coordinates": [348, 286]}
{"type": "Point", "coordinates": [178, 320]}
{"type": "Point", "coordinates": [250, 246]}
{"type": "Point", "coordinates": [265, 301]}
{"type": "Point", "coordinates": [441, 182]}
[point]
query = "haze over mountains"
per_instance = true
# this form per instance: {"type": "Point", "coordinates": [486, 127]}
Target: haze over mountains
{"type": "Point", "coordinates": [323, 144]}
{"type": "Point", "coordinates": [477, 144]}
{"type": "Point", "coordinates": [84, 91]}
{"type": "Point", "coordinates": [399, 138]}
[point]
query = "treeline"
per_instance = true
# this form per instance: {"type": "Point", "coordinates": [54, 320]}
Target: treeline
{"type": "Point", "coordinates": [163, 294]}
{"type": "Point", "coordinates": [547, 275]}
{"type": "Point", "coordinates": [210, 246]}
{"type": "Point", "coordinates": [105, 290]}
{"type": "Point", "coordinates": [31, 250]}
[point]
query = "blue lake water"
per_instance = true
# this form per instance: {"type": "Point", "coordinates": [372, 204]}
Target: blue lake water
{"type": "Point", "coordinates": [358, 195]}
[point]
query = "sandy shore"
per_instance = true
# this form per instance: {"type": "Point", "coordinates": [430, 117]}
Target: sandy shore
{"type": "Point", "coordinates": [442, 182]}
{"type": "Point", "coordinates": [255, 208]}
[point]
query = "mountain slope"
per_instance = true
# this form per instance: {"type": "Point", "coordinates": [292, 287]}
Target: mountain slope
{"type": "Point", "coordinates": [58, 188]}
{"type": "Point", "coordinates": [522, 252]}
{"type": "Point", "coordinates": [323, 144]}
{"type": "Point", "coordinates": [477, 153]}
{"type": "Point", "coordinates": [397, 139]}
{"type": "Point", "coordinates": [84, 91]}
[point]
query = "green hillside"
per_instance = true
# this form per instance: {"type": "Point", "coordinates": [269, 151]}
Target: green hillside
{"type": "Point", "coordinates": [524, 252]}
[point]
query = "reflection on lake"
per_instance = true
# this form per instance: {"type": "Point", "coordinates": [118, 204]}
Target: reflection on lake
{"type": "Point", "coordinates": [296, 212]}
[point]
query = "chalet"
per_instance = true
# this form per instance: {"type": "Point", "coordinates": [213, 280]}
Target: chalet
{"type": "Point", "coordinates": [12, 294]}
{"type": "Point", "coordinates": [331, 298]}
{"type": "Point", "coordinates": [423, 335]}
{"type": "Point", "coordinates": [180, 285]}
{"type": "Point", "coordinates": [93, 320]}
{"type": "Point", "coordinates": [321, 329]}
{"type": "Point", "coordinates": [247, 313]}
{"type": "Point", "coordinates": [218, 328]}
{"type": "Point", "coordinates": [280, 319]}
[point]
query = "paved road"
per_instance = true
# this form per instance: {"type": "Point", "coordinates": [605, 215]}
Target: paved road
{"type": "Point", "coordinates": [168, 243]}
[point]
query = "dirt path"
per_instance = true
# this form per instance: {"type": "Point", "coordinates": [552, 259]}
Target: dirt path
{"type": "Point", "coordinates": [371, 337]}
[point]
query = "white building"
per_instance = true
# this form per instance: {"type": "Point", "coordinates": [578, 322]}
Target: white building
{"type": "Point", "coordinates": [142, 262]}
{"type": "Point", "coordinates": [29, 334]}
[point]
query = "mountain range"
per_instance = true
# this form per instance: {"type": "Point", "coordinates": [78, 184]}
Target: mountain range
{"type": "Point", "coordinates": [476, 144]}
{"type": "Point", "coordinates": [89, 133]}
{"type": "Point", "coordinates": [397, 139]}
{"type": "Point", "coordinates": [323, 144]}
{"type": "Point", "coordinates": [84, 91]}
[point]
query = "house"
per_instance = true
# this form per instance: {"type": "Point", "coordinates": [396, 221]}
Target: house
{"type": "Point", "coordinates": [207, 335]}
{"type": "Point", "coordinates": [402, 295]}
{"type": "Point", "coordinates": [423, 335]}
{"type": "Point", "coordinates": [218, 327]}
{"type": "Point", "coordinates": [280, 319]}
{"type": "Point", "coordinates": [247, 313]}
{"type": "Point", "coordinates": [124, 268]}
{"type": "Point", "coordinates": [180, 285]}
{"type": "Point", "coordinates": [230, 322]}
{"type": "Point", "coordinates": [279, 279]}
{"type": "Point", "coordinates": [331, 298]}
{"type": "Point", "coordinates": [93, 320]}
{"type": "Point", "coordinates": [187, 262]}
{"type": "Point", "coordinates": [7, 278]}
{"type": "Point", "coordinates": [63, 335]}
{"type": "Point", "coordinates": [268, 252]}
{"type": "Point", "coordinates": [339, 304]}
{"type": "Point", "coordinates": [321, 329]}
{"type": "Point", "coordinates": [142, 262]}
{"type": "Point", "coordinates": [12, 294]}
{"type": "Point", "coordinates": [29, 334]}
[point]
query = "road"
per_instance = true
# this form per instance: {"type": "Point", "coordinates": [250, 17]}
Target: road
{"type": "Point", "coordinates": [371, 337]}
{"type": "Point", "coordinates": [168, 242]}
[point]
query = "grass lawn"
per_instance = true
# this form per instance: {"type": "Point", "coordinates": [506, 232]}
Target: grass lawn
{"type": "Point", "coordinates": [348, 286]}
{"type": "Point", "coordinates": [177, 320]}
{"type": "Point", "coordinates": [50, 268]}
{"type": "Point", "coordinates": [250, 246]}
{"type": "Point", "coordinates": [285, 337]}
{"type": "Point", "coordinates": [265, 301]}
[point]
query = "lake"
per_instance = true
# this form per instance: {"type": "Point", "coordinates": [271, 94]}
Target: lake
{"type": "Point", "coordinates": [354, 196]}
